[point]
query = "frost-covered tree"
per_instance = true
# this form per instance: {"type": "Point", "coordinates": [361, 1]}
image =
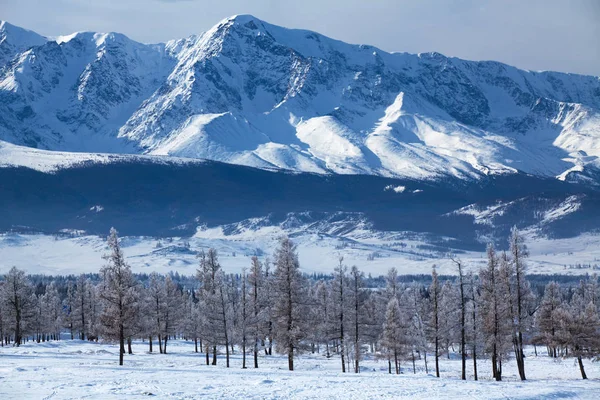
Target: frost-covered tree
{"type": "Point", "coordinates": [215, 303]}
{"type": "Point", "coordinates": [154, 304]}
{"type": "Point", "coordinates": [392, 286]}
{"type": "Point", "coordinates": [233, 297]}
{"type": "Point", "coordinates": [449, 316]}
{"type": "Point", "coordinates": [20, 302]}
{"type": "Point", "coordinates": [495, 315]}
{"type": "Point", "coordinates": [435, 331]}
{"type": "Point", "coordinates": [257, 324]}
{"type": "Point", "coordinates": [474, 319]}
{"type": "Point", "coordinates": [289, 300]}
{"type": "Point", "coordinates": [357, 315]}
{"type": "Point", "coordinates": [119, 295]}
{"type": "Point", "coordinates": [94, 310]}
{"type": "Point", "coordinates": [321, 314]}
{"type": "Point", "coordinates": [546, 320]}
{"type": "Point", "coordinates": [37, 321]}
{"type": "Point", "coordinates": [207, 294]}
{"type": "Point", "coordinates": [393, 337]}
{"type": "Point", "coordinates": [268, 302]}
{"type": "Point", "coordinates": [81, 306]}
{"type": "Point", "coordinates": [244, 317]}
{"type": "Point", "coordinates": [191, 320]}
{"type": "Point", "coordinates": [339, 292]}
{"type": "Point", "coordinates": [521, 296]}
{"type": "Point", "coordinates": [418, 309]}
{"type": "Point", "coordinates": [463, 316]}
{"type": "Point", "coordinates": [171, 311]}
{"type": "Point", "coordinates": [52, 311]}
{"type": "Point", "coordinates": [69, 306]}
{"type": "Point", "coordinates": [580, 328]}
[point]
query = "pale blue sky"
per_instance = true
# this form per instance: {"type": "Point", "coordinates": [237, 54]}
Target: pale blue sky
{"type": "Point", "coordinates": [533, 34]}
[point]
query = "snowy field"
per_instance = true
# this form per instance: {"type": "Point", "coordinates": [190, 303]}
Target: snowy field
{"type": "Point", "coordinates": [76, 369]}
{"type": "Point", "coordinates": [318, 252]}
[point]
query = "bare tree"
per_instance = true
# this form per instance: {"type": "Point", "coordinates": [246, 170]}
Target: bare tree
{"type": "Point", "coordinates": [393, 337]}
{"type": "Point", "coordinates": [495, 316]}
{"type": "Point", "coordinates": [358, 296]}
{"type": "Point", "coordinates": [463, 316]}
{"type": "Point", "coordinates": [435, 330]}
{"type": "Point", "coordinates": [289, 300]}
{"type": "Point", "coordinates": [580, 327]}
{"type": "Point", "coordinates": [521, 294]}
{"type": "Point", "coordinates": [17, 294]}
{"type": "Point", "coordinates": [547, 322]}
{"type": "Point", "coordinates": [171, 311]}
{"type": "Point", "coordinates": [81, 306]}
{"type": "Point", "coordinates": [256, 303]}
{"type": "Point", "coordinates": [244, 318]}
{"type": "Point", "coordinates": [119, 294]}
{"type": "Point", "coordinates": [340, 283]}
{"type": "Point", "coordinates": [53, 314]}
{"type": "Point", "coordinates": [212, 296]}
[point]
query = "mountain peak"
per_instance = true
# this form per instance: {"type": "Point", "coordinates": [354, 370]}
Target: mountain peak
{"type": "Point", "coordinates": [17, 33]}
{"type": "Point", "coordinates": [14, 40]}
{"type": "Point", "coordinates": [243, 18]}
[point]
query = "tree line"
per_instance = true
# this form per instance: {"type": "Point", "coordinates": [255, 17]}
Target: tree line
{"type": "Point", "coordinates": [488, 316]}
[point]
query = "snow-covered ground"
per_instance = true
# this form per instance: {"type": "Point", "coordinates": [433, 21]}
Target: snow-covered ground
{"type": "Point", "coordinates": [372, 252]}
{"type": "Point", "coordinates": [51, 161]}
{"type": "Point", "coordinates": [76, 369]}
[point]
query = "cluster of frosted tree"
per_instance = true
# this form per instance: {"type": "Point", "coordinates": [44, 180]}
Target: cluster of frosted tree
{"type": "Point", "coordinates": [271, 307]}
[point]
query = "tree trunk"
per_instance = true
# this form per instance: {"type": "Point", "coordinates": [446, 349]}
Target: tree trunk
{"type": "Point", "coordinates": [580, 361]}
{"type": "Point", "coordinates": [463, 349]}
{"type": "Point", "coordinates": [227, 354]}
{"type": "Point", "coordinates": [129, 350]}
{"type": "Point", "coordinates": [291, 357]}
{"type": "Point", "coordinates": [437, 355]}
{"type": "Point", "coordinates": [494, 363]}
{"type": "Point", "coordinates": [82, 315]}
{"type": "Point", "coordinates": [499, 370]}
{"type": "Point", "coordinates": [255, 354]}
{"type": "Point", "coordinates": [121, 343]}
{"type": "Point", "coordinates": [475, 362]}
{"type": "Point", "coordinates": [17, 321]}
{"type": "Point", "coordinates": [244, 353]}
{"type": "Point", "coordinates": [150, 342]}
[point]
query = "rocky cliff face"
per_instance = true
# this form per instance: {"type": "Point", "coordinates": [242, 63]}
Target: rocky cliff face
{"type": "Point", "coordinates": [247, 92]}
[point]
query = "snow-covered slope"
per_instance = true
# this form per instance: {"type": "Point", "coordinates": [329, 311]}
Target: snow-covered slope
{"type": "Point", "coordinates": [15, 40]}
{"type": "Point", "coordinates": [248, 92]}
{"type": "Point", "coordinates": [52, 161]}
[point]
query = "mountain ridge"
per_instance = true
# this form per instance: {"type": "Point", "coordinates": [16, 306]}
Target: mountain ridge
{"type": "Point", "coordinates": [252, 93]}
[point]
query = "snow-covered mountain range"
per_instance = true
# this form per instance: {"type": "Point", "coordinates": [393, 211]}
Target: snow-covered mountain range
{"type": "Point", "coordinates": [394, 158]}
{"type": "Point", "coordinates": [251, 93]}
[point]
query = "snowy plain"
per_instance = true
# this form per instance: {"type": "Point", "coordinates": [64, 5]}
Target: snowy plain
{"type": "Point", "coordinates": [77, 369]}
{"type": "Point", "coordinates": [318, 253]}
